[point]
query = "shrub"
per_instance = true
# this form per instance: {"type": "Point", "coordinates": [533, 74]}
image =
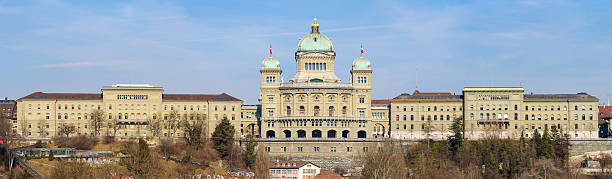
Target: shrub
{"type": "Point", "coordinates": [108, 139]}
{"type": "Point", "coordinates": [39, 144]}
{"type": "Point", "coordinates": [51, 156]}
{"type": "Point", "coordinates": [80, 142]}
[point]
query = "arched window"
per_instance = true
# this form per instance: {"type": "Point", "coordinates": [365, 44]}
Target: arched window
{"type": "Point", "coordinates": [316, 111]}
{"type": "Point", "coordinates": [302, 110]}
{"type": "Point", "coordinates": [331, 111]}
{"type": "Point", "coordinates": [343, 110]}
{"type": "Point", "coordinates": [412, 117]}
{"type": "Point", "coordinates": [288, 111]}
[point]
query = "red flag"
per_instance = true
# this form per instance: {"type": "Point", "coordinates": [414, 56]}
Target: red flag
{"type": "Point", "coordinates": [362, 48]}
{"type": "Point", "coordinates": [270, 49]}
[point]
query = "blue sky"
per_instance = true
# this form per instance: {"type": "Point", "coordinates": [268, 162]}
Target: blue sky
{"type": "Point", "coordinates": [218, 46]}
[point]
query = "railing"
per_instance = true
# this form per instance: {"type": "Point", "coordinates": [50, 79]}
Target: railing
{"type": "Point", "coordinates": [323, 139]}
{"type": "Point", "coordinates": [317, 118]}
{"type": "Point", "coordinates": [493, 121]}
{"type": "Point", "coordinates": [317, 85]}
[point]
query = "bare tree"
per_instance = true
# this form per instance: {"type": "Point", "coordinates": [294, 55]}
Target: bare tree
{"type": "Point", "coordinates": [42, 128]}
{"type": "Point", "coordinates": [262, 163]}
{"type": "Point", "coordinates": [67, 129]}
{"type": "Point", "coordinates": [173, 121]}
{"type": "Point", "coordinates": [154, 125]}
{"type": "Point", "coordinates": [113, 124]}
{"type": "Point", "coordinates": [11, 140]}
{"type": "Point", "coordinates": [97, 121]}
{"type": "Point", "coordinates": [23, 127]}
{"type": "Point", "coordinates": [386, 162]}
{"type": "Point", "coordinates": [604, 159]}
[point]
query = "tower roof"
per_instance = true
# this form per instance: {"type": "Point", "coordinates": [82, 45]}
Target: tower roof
{"type": "Point", "coordinates": [315, 41]}
{"type": "Point", "coordinates": [362, 63]}
{"type": "Point", "coordinates": [270, 62]}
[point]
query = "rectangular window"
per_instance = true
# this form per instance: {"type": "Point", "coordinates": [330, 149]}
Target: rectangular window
{"type": "Point", "coordinates": [361, 100]}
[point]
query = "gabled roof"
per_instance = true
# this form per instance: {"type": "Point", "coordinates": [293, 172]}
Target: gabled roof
{"type": "Point", "coordinates": [64, 96]}
{"type": "Point", "coordinates": [327, 174]}
{"type": "Point", "coordinates": [200, 97]}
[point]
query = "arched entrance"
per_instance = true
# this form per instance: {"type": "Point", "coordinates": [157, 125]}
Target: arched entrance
{"type": "Point", "coordinates": [316, 134]}
{"type": "Point", "coordinates": [361, 134]}
{"type": "Point", "coordinates": [287, 133]}
{"type": "Point", "coordinates": [331, 134]}
{"type": "Point", "coordinates": [270, 134]}
{"type": "Point", "coordinates": [345, 134]}
{"type": "Point", "coordinates": [301, 133]}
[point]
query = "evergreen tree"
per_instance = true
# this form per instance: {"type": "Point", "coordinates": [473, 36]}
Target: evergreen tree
{"type": "Point", "coordinates": [250, 152]}
{"type": "Point", "coordinates": [560, 146]}
{"type": "Point", "coordinates": [456, 140]}
{"type": "Point", "coordinates": [51, 156]}
{"type": "Point", "coordinates": [536, 143]}
{"type": "Point", "coordinates": [223, 137]}
{"type": "Point", "coordinates": [546, 144]}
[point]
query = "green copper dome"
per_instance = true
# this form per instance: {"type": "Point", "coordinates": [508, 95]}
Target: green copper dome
{"type": "Point", "coordinates": [362, 63]}
{"type": "Point", "coordinates": [315, 41]}
{"type": "Point", "coordinates": [270, 62]}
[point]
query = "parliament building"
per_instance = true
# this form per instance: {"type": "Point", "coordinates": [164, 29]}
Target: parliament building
{"type": "Point", "coordinates": [314, 113]}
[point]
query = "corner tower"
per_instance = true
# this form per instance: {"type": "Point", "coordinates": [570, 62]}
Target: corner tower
{"type": "Point", "coordinates": [270, 72]}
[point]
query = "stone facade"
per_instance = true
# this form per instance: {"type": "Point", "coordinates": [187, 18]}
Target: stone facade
{"type": "Point", "coordinates": [315, 103]}
{"type": "Point", "coordinates": [503, 111]}
{"type": "Point", "coordinates": [131, 107]}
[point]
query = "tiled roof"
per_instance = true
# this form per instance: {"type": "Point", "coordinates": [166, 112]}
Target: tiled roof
{"type": "Point", "coordinates": [289, 164]}
{"type": "Point", "coordinates": [98, 96]}
{"type": "Point", "coordinates": [546, 97]}
{"type": "Point", "coordinates": [381, 102]}
{"type": "Point", "coordinates": [429, 96]}
{"type": "Point", "coordinates": [417, 92]}
{"type": "Point", "coordinates": [604, 112]}
{"type": "Point", "coordinates": [327, 174]}
{"type": "Point", "coordinates": [8, 109]}
{"type": "Point", "coordinates": [64, 96]}
{"type": "Point", "coordinates": [200, 97]}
